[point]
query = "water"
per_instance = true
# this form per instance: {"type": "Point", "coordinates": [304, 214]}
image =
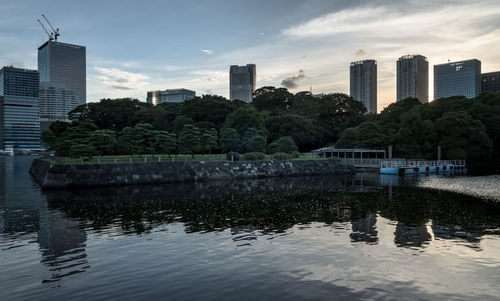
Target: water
{"type": "Point", "coordinates": [364, 237]}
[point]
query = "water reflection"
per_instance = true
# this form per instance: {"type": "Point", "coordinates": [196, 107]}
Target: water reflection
{"type": "Point", "coordinates": [301, 237]}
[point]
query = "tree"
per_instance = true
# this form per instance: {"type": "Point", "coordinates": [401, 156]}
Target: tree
{"type": "Point", "coordinates": [189, 139]}
{"type": "Point", "coordinates": [104, 141]}
{"type": "Point", "coordinates": [272, 99]}
{"type": "Point", "coordinates": [208, 140]}
{"type": "Point", "coordinates": [82, 150]}
{"type": "Point", "coordinates": [165, 142]}
{"type": "Point", "coordinates": [282, 145]}
{"type": "Point", "coordinates": [229, 140]}
{"type": "Point", "coordinates": [252, 141]}
{"type": "Point", "coordinates": [244, 118]}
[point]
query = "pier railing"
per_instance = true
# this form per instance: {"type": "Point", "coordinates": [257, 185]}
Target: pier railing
{"type": "Point", "coordinates": [419, 163]}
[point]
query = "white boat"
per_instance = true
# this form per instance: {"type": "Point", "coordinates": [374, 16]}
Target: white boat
{"type": "Point", "coordinates": [402, 167]}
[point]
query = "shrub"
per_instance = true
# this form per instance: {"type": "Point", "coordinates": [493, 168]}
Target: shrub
{"type": "Point", "coordinates": [281, 156]}
{"type": "Point", "coordinates": [234, 155]}
{"type": "Point", "coordinates": [282, 145]}
{"type": "Point", "coordinates": [295, 155]}
{"type": "Point", "coordinates": [254, 156]}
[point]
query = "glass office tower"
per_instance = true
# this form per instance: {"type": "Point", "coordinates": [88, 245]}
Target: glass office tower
{"type": "Point", "coordinates": [363, 83]}
{"type": "Point", "coordinates": [457, 79]}
{"type": "Point", "coordinates": [490, 81]}
{"type": "Point", "coordinates": [55, 102]}
{"type": "Point", "coordinates": [169, 95]}
{"type": "Point", "coordinates": [19, 119]}
{"type": "Point", "coordinates": [413, 77]}
{"type": "Point", "coordinates": [62, 63]}
{"type": "Point", "coordinates": [242, 82]}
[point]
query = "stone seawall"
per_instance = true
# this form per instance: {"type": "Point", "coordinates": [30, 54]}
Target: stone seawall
{"type": "Point", "coordinates": [51, 176]}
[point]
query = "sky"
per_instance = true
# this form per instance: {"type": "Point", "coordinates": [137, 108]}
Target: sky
{"type": "Point", "coordinates": [134, 47]}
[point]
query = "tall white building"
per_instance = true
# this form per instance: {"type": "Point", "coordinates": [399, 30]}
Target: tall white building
{"type": "Point", "coordinates": [413, 77]}
{"type": "Point", "coordinates": [242, 82]}
{"type": "Point", "coordinates": [363, 83]}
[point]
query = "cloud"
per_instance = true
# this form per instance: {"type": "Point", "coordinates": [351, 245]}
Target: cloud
{"type": "Point", "coordinates": [122, 88]}
{"type": "Point", "coordinates": [207, 51]}
{"type": "Point", "coordinates": [360, 52]}
{"type": "Point", "coordinates": [292, 82]}
{"type": "Point", "coordinates": [261, 33]}
{"type": "Point", "coordinates": [120, 79]}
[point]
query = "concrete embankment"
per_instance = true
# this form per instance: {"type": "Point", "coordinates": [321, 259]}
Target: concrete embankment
{"type": "Point", "coordinates": [51, 176]}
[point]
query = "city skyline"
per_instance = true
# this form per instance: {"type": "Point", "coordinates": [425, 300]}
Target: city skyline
{"type": "Point", "coordinates": [320, 38]}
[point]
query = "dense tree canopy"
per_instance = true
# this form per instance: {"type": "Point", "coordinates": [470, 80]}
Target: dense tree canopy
{"type": "Point", "coordinates": [464, 128]}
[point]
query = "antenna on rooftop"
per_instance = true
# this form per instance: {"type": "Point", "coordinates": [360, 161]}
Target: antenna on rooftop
{"type": "Point", "coordinates": [45, 29]}
{"type": "Point", "coordinates": [54, 30]}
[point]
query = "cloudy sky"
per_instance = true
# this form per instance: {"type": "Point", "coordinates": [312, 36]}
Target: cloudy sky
{"type": "Point", "coordinates": [137, 46]}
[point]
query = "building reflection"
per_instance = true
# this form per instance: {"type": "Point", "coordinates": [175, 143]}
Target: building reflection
{"type": "Point", "coordinates": [26, 217]}
{"type": "Point", "coordinates": [411, 235]}
{"type": "Point", "coordinates": [365, 230]}
{"type": "Point", "coordinates": [62, 243]}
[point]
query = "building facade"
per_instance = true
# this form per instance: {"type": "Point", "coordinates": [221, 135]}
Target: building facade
{"type": "Point", "coordinates": [363, 83]}
{"type": "Point", "coordinates": [413, 77]}
{"type": "Point", "coordinates": [457, 79]}
{"type": "Point", "coordinates": [242, 82]}
{"type": "Point", "coordinates": [490, 81]}
{"type": "Point", "coordinates": [62, 63]}
{"type": "Point", "coordinates": [55, 102]}
{"type": "Point", "coordinates": [169, 95]}
{"type": "Point", "coordinates": [19, 112]}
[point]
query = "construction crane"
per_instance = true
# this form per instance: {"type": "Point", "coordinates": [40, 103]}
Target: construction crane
{"type": "Point", "coordinates": [45, 29]}
{"type": "Point", "coordinates": [55, 31]}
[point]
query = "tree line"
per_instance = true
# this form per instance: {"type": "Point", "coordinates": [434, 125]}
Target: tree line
{"type": "Point", "coordinates": [280, 121]}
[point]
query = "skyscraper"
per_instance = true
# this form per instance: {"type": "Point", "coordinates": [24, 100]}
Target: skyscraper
{"type": "Point", "coordinates": [19, 120]}
{"type": "Point", "coordinates": [457, 79]}
{"type": "Point", "coordinates": [363, 79]}
{"type": "Point", "coordinates": [62, 63]}
{"type": "Point", "coordinates": [55, 102]}
{"type": "Point", "coordinates": [169, 95]}
{"type": "Point", "coordinates": [490, 81]}
{"type": "Point", "coordinates": [413, 77]}
{"type": "Point", "coordinates": [242, 81]}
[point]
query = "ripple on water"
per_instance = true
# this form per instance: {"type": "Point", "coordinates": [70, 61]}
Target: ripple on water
{"type": "Point", "coordinates": [483, 187]}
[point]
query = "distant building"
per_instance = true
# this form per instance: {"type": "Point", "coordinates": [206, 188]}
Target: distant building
{"type": "Point", "coordinates": [171, 95]}
{"type": "Point", "coordinates": [457, 79]}
{"type": "Point", "coordinates": [490, 81]}
{"type": "Point", "coordinates": [55, 102]}
{"type": "Point", "coordinates": [62, 63]}
{"type": "Point", "coordinates": [19, 119]}
{"type": "Point", "coordinates": [242, 82]}
{"type": "Point", "coordinates": [363, 83]}
{"type": "Point", "coordinates": [413, 78]}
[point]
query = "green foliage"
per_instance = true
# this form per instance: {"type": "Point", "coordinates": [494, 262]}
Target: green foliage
{"type": "Point", "coordinates": [254, 156]}
{"type": "Point", "coordinates": [244, 118]}
{"type": "Point", "coordinates": [282, 156]}
{"type": "Point", "coordinates": [189, 139]}
{"type": "Point", "coordinates": [233, 156]}
{"type": "Point", "coordinates": [104, 141]}
{"type": "Point", "coordinates": [165, 142]}
{"type": "Point", "coordinates": [229, 139]}
{"type": "Point", "coordinates": [209, 140]}
{"type": "Point", "coordinates": [252, 141]}
{"type": "Point", "coordinates": [82, 150]}
{"type": "Point", "coordinates": [282, 145]}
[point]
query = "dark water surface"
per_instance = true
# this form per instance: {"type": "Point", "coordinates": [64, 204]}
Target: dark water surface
{"type": "Point", "coordinates": [363, 237]}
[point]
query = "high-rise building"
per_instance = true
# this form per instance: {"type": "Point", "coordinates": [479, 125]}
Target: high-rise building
{"type": "Point", "coordinates": [490, 81]}
{"type": "Point", "coordinates": [457, 79]}
{"type": "Point", "coordinates": [363, 83]}
{"type": "Point", "coordinates": [19, 119]}
{"type": "Point", "coordinates": [55, 102]}
{"type": "Point", "coordinates": [63, 63]}
{"type": "Point", "coordinates": [242, 82]}
{"type": "Point", "coordinates": [169, 95]}
{"type": "Point", "coordinates": [413, 77]}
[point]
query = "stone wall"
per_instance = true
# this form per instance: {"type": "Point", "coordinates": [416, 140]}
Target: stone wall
{"type": "Point", "coordinates": [91, 175]}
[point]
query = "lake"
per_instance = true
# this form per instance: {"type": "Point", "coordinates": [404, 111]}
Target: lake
{"type": "Point", "coordinates": [367, 237]}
